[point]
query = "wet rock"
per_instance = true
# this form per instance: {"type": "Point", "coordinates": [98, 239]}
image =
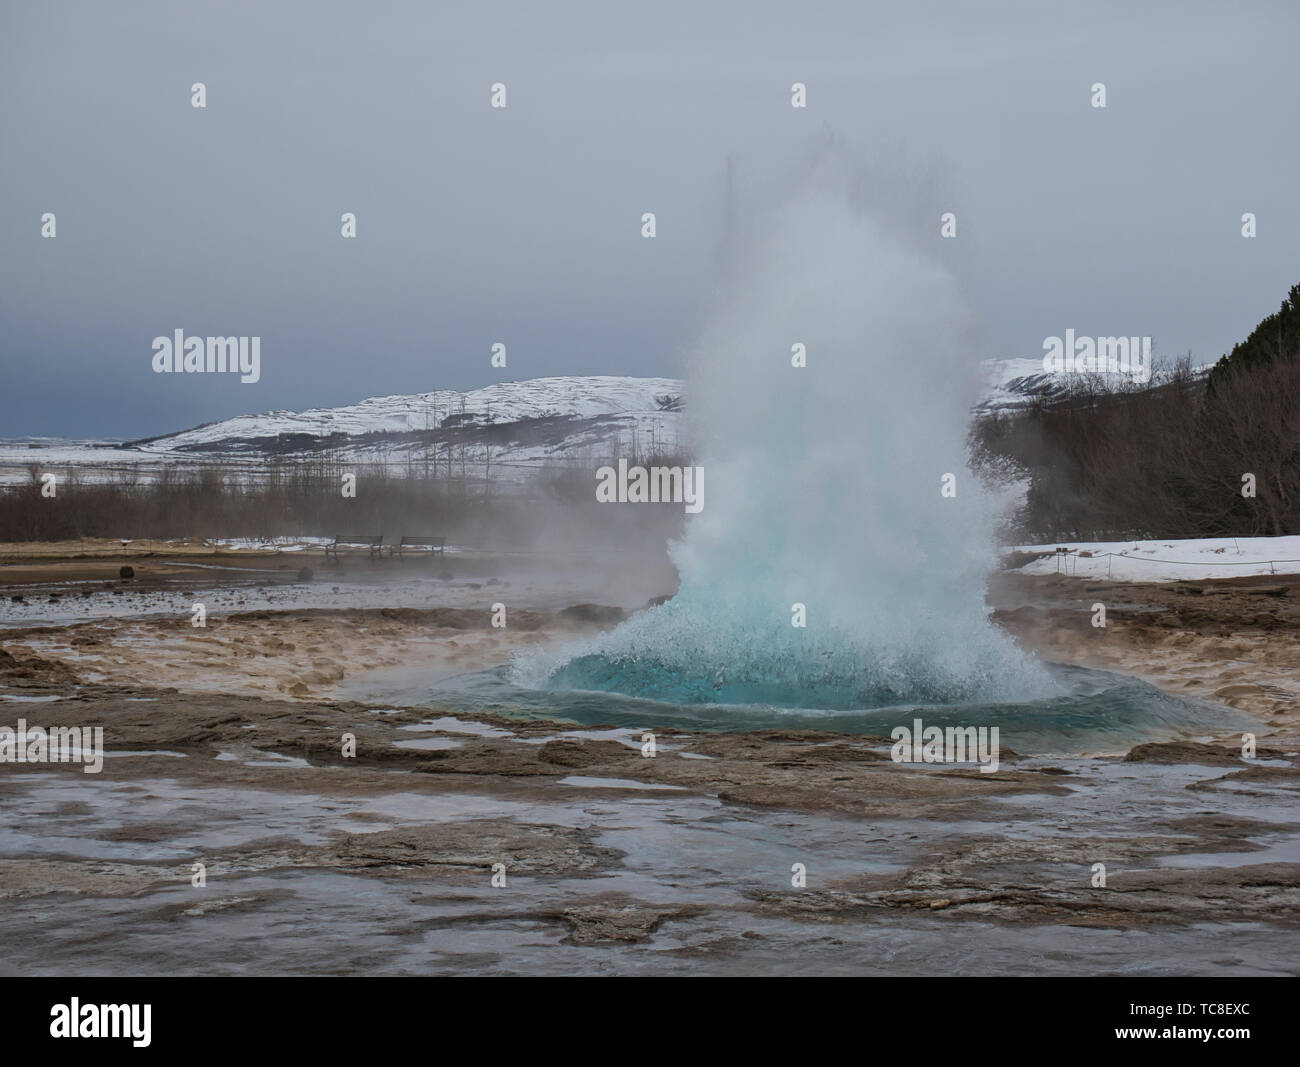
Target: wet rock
{"type": "Point", "coordinates": [1284, 776]}
{"type": "Point", "coordinates": [600, 614]}
{"type": "Point", "coordinates": [490, 758]}
{"type": "Point", "coordinates": [475, 844]}
{"type": "Point", "coordinates": [580, 753]}
{"type": "Point", "coordinates": [624, 923]}
{"type": "Point", "coordinates": [1219, 825]}
{"type": "Point", "coordinates": [35, 668]}
{"type": "Point", "coordinates": [1182, 752]}
{"type": "Point", "coordinates": [844, 754]}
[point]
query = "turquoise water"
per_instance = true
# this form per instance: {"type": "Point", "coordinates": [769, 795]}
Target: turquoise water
{"type": "Point", "coordinates": [823, 682]}
{"type": "Point", "coordinates": [1091, 710]}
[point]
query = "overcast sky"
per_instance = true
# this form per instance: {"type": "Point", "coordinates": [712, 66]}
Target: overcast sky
{"type": "Point", "coordinates": [522, 225]}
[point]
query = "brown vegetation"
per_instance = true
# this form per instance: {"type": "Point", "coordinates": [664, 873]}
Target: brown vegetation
{"type": "Point", "coordinates": [296, 499]}
{"type": "Point", "coordinates": [1113, 460]}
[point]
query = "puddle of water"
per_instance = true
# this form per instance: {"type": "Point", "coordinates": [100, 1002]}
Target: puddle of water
{"type": "Point", "coordinates": [1284, 851]}
{"type": "Point", "coordinates": [448, 725]}
{"type": "Point", "coordinates": [630, 738]}
{"type": "Point", "coordinates": [153, 752]}
{"type": "Point", "coordinates": [264, 759]}
{"type": "Point", "coordinates": [430, 743]}
{"type": "Point", "coordinates": [614, 783]}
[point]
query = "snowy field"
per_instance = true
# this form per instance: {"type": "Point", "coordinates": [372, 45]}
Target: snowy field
{"type": "Point", "coordinates": [1167, 560]}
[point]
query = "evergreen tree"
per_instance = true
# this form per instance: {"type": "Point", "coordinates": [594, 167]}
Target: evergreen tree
{"type": "Point", "coordinates": [1276, 338]}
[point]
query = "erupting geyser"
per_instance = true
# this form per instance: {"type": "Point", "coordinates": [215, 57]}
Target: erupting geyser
{"type": "Point", "coordinates": [825, 480]}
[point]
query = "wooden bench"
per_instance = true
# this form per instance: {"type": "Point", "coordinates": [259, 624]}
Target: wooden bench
{"type": "Point", "coordinates": [433, 544]}
{"type": "Point", "coordinates": [374, 542]}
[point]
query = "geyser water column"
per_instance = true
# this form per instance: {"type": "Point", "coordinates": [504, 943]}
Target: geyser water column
{"type": "Point", "coordinates": [824, 482]}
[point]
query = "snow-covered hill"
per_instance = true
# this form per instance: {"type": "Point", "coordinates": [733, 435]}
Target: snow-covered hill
{"type": "Point", "coordinates": [1014, 383]}
{"type": "Point", "coordinates": [501, 404]}
{"type": "Point", "coordinates": [508, 429]}
{"type": "Point", "coordinates": [621, 404]}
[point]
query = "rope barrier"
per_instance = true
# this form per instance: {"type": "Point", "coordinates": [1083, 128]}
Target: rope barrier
{"type": "Point", "coordinates": [1077, 553]}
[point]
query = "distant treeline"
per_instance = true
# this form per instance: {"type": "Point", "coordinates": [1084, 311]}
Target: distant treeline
{"type": "Point", "coordinates": [306, 499]}
{"type": "Point", "coordinates": [1111, 460]}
